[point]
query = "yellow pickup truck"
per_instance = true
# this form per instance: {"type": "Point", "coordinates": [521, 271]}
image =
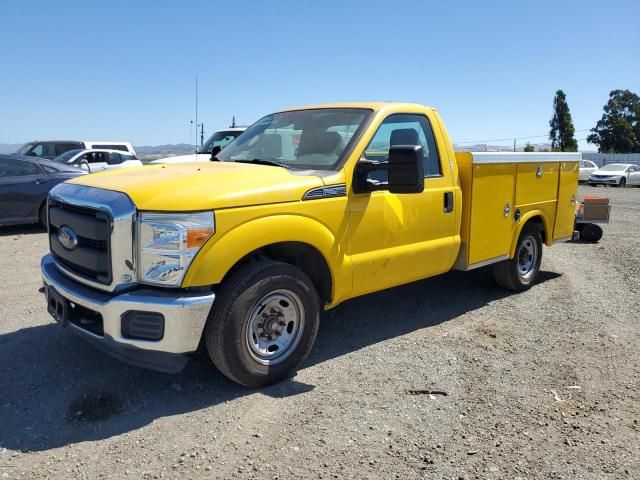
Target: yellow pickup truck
{"type": "Point", "coordinates": [309, 207]}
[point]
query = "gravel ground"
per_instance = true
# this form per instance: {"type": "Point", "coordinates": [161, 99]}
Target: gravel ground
{"type": "Point", "coordinates": [543, 384]}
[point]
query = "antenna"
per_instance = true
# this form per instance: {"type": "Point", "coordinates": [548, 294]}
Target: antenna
{"type": "Point", "coordinates": [196, 110]}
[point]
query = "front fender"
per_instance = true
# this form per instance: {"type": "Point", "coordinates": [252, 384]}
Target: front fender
{"type": "Point", "coordinates": [222, 252]}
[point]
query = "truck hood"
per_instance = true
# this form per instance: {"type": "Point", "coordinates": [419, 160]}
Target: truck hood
{"type": "Point", "coordinates": [203, 186]}
{"type": "Point", "coordinates": [192, 157]}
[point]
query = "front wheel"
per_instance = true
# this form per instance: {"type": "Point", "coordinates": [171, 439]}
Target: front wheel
{"type": "Point", "coordinates": [43, 215]}
{"type": "Point", "coordinates": [519, 273]}
{"type": "Point", "coordinates": [623, 182]}
{"type": "Point", "coordinates": [263, 323]}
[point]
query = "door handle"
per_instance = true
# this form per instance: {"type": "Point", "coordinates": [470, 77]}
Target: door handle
{"type": "Point", "coordinates": [448, 202]}
{"type": "Point", "coordinates": [39, 182]}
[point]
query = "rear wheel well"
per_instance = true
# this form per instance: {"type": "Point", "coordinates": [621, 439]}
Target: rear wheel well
{"type": "Point", "coordinates": [538, 223]}
{"type": "Point", "coordinates": [301, 255]}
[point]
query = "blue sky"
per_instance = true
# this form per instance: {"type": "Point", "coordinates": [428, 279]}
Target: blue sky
{"type": "Point", "coordinates": [124, 70]}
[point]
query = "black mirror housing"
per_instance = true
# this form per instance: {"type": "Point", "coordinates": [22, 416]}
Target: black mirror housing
{"type": "Point", "coordinates": [406, 169]}
{"type": "Point", "coordinates": [215, 151]}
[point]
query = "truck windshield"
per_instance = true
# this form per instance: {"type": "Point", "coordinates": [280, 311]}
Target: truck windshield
{"type": "Point", "coordinates": [314, 139]}
{"type": "Point", "coordinates": [66, 156]}
{"type": "Point", "coordinates": [24, 150]}
{"type": "Point", "coordinates": [219, 139]}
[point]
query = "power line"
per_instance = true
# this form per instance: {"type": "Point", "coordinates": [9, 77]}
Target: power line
{"type": "Point", "coordinates": [516, 138]}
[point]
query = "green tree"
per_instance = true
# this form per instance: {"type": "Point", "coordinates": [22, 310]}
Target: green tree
{"type": "Point", "coordinates": [529, 148]}
{"type": "Point", "coordinates": [562, 131]}
{"type": "Point", "coordinates": [618, 131]}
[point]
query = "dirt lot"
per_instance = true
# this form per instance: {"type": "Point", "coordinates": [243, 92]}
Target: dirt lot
{"type": "Point", "coordinates": [544, 384]}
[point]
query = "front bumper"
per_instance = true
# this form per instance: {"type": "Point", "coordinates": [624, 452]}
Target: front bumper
{"type": "Point", "coordinates": [185, 315]}
{"type": "Point", "coordinates": [604, 181]}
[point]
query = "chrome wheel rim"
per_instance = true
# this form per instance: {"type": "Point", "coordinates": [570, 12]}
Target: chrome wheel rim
{"type": "Point", "coordinates": [274, 327]}
{"type": "Point", "coordinates": [527, 257]}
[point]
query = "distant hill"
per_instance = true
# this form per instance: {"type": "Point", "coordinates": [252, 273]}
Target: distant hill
{"type": "Point", "coordinates": [538, 147]}
{"type": "Point", "coordinates": [9, 147]}
{"type": "Point", "coordinates": [181, 148]}
{"type": "Point", "coordinates": [162, 151]}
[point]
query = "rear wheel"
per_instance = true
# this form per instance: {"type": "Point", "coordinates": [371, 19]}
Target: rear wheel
{"type": "Point", "coordinates": [520, 272]}
{"type": "Point", "coordinates": [263, 324]}
{"type": "Point", "coordinates": [591, 233]}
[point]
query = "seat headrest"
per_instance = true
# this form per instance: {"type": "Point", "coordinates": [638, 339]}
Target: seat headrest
{"type": "Point", "coordinates": [325, 142]}
{"type": "Point", "coordinates": [271, 145]}
{"type": "Point", "coordinates": [404, 136]}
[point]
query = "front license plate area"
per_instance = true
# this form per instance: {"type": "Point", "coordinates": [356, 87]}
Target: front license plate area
{"type": "Point", "coordinates": [58, 306]}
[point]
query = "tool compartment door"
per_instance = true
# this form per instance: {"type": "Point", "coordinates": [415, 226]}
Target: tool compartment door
{"type": "Point", "coordinates": [491, 211]}
{"type": "Point", "coordinates": [537, 183]}
{"type": "Point", "coordinates": [567, 191]}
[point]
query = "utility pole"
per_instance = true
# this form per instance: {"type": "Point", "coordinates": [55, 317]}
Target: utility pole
{"type": "Point", "coordinates": [233, 122]}
{"type": "Point", "coordinates": [201, 134]}
{"type": "Point", "coordinates": [514, 144]}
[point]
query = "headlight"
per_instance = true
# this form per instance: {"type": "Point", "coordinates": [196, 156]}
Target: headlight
{"type": "Point", "coordinates": [167, 244]}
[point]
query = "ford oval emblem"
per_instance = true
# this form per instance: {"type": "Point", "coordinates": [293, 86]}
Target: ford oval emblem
{"type": "Point", "coordinates": [68, 238]}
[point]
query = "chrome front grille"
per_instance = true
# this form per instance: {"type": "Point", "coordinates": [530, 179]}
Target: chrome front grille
{"type": "Point", "coordinates": [102, 223]}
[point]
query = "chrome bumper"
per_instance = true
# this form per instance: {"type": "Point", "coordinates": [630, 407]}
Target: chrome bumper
{"type": "Point", "coordinates": [185, 315]}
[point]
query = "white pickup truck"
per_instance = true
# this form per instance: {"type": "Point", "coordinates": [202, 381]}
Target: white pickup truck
{"type": "Point", "coordinates": [221, 139]}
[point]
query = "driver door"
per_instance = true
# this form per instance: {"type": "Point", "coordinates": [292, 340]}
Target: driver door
{"type": "Point", "coordinates": [399, 238]}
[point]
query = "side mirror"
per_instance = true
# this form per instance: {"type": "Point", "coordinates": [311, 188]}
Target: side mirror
{"type": "Point", "coordinates": [405, 172]}
{"type": "Point", "coordinates": [406, 169]}
{"type": "Point", "coordinates": [214, 152]}
{"type": "Point", "coordinates": [83, 164]}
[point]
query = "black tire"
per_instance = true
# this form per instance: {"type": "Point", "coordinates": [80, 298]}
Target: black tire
{"type": "Point", "coordinates": [593, 185]}
{"type": "Point", "coordinates": [227, 334]}
{"type": "Point", "coordinates": [44, 221]}
{"type": "Point", "coordinates": [623, 182]}
{"type": "Point", "coordinates": [510, 274]}
{"type": "Point", "coordinates": [591, 233]}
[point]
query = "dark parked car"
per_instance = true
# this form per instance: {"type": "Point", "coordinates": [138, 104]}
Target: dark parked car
{"type": "Point", "coordinates": [24, 185]}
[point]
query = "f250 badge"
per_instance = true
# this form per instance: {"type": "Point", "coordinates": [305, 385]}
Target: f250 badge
{"type": "Point", "coordinates": [68, 238]}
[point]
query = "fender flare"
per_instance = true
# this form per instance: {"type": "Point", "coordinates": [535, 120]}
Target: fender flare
{"type": "Point", "coordinates": [222, 253]}
{"type": "Point", "coordinates": [548, 230]}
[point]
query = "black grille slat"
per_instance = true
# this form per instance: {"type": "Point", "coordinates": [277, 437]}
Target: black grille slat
{"type": "Point", "coordinates": [91, 258]}
{"type": "Point", "coordinates": [93, 227]}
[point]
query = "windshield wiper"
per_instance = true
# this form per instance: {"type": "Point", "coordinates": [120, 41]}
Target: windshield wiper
{"type": "Point", "coordinates": [262, 161]}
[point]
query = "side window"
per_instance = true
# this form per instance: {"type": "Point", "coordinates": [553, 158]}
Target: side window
{"type": "Point", "coordinates": [43, 150]}
{"type": "Point", "coordinates": [17, 168]}
{"type": "Point", "coordinates": [404, 129]}
{"type": "Point", "coordinates": [65, 147]}
{"type": "Point", "coordinates": [49, 169]}
{"type": "Point", "coordinates": [114, 158]}
{"type": "Point", "coordinates": [122, 148]}
{"type": "Point", "coordinates": [94, 157]}
{"type": "Point", "coordinates": [583, 164]}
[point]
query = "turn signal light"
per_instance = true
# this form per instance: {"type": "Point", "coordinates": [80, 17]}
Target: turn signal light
{"type": "Point", "coordinates": [196, 237]}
